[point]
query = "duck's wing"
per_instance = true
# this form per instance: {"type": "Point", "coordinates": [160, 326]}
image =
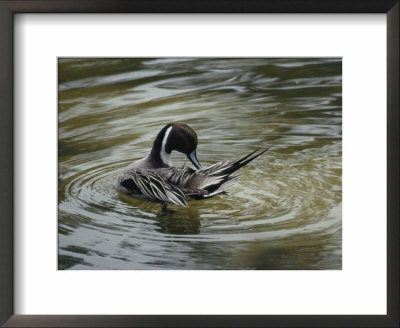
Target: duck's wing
{"type": "Point", "coordinates": [189, 181]}
{"type": "Point", "coordinates": [152, 185]}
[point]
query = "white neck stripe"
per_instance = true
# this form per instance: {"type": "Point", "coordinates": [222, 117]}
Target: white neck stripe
{"type": "Point", "coordinates": [165, 157]}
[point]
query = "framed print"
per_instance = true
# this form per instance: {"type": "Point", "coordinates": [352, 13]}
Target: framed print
{"type": "Point", "coordinates": [190, 169]}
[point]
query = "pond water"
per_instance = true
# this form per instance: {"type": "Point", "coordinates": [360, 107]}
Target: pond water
{"type": "Point", "coordinates": [285, 211]}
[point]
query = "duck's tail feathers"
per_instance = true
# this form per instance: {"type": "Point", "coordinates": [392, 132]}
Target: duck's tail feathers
{"type": "Point", "coordinates": [220, 188]}
{"type": "Point", "coordinates": [236, 165]}
{"type": "Point", "coordinates": [221, 178]}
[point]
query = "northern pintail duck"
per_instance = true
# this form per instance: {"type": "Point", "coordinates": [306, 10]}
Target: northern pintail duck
{"type": "Point", "coordinates": [154, 178]}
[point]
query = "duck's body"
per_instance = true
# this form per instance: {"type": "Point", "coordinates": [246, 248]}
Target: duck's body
{"type": "Point", "coordinates": [154, 178]}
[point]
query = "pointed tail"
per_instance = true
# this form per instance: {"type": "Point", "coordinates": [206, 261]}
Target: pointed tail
{"type": "Point", "coordinates": [236, 165]}
{"type": "Point", "coordinates": [222, 178]}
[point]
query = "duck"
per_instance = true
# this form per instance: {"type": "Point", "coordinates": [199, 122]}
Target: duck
{"type": "Point", "coordinates": [154, 178]}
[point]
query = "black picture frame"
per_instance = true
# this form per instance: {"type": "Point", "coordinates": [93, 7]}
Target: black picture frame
{"type": "Point", "coordinates": [11, 7]}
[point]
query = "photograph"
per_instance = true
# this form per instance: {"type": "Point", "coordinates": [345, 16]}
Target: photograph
{"type": "Point", "coordinates": [196, 163]}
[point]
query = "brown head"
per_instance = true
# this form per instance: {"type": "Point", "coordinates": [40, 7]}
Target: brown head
{"type": "Point", "coordinates": [176, 136]}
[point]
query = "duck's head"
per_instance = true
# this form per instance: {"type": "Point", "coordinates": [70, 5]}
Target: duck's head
{"type": "Point", "coordinates": [180, 137]}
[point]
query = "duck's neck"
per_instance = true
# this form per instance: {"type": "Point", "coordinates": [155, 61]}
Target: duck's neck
{"type": "Point", "coordinates": [158, 154]}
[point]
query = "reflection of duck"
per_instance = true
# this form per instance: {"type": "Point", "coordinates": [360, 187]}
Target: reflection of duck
{"type": "Point", "coordinates": [188, 222]}
{"type": "Point", "coordinates": [154, 178]}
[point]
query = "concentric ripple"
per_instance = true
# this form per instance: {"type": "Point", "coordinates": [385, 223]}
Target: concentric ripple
{"type": "Point", "coordinates": [285, 212]}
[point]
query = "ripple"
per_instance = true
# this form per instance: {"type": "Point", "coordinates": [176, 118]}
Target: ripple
{"type": "Point", "coordinates": [286, 208]}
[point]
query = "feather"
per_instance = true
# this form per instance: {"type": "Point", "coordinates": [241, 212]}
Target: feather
{"type": "Point", "coordinates": [174, 185]}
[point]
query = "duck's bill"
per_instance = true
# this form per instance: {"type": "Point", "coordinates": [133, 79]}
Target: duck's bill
{"type": "Point", "coordinates": [193, 159]}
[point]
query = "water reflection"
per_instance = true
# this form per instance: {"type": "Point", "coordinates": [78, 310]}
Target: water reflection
{"type": "Point", "coordinates": [285, 212]}
{"type": "Point", "coordinates": [182, 225]}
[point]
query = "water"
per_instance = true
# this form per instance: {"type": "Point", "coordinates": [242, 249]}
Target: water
{"type": "Point", "coordinates": [285, 212]}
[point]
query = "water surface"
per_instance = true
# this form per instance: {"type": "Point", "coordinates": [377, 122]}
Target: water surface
{"type": "Point", "coordinates": [285, 212]}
